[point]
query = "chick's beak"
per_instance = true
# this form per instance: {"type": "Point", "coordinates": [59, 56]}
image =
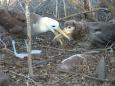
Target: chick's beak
{"type": "Point", "coordinates": [61, 32]}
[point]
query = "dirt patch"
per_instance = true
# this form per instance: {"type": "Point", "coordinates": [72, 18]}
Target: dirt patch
{"type": "Point", "coordinates": [45, 65]}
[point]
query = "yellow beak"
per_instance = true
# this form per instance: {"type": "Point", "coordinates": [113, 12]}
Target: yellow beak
{"type": "Point", "coordinates": [61, 32]}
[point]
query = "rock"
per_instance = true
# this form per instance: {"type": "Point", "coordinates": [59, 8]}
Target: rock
{"type": "Point", "coordinates": [113, 82]}
{"type": "Point", "coordinates": [101, 69]}
{"type": "Point", "coordinates": [4, 79]}
{"type": "Point", "coordinates": [70, 62]}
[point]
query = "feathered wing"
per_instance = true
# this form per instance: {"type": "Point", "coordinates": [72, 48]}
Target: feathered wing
{"type": "Point", "coordinates": [101, 33]}
{"type": "Point", "coordinates": [13, 22]}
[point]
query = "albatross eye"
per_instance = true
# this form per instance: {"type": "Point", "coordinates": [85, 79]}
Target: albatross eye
{"type": "Point", "coordinates": [69, 27]}
{"type": "Point", "coordinates": [53, 26]}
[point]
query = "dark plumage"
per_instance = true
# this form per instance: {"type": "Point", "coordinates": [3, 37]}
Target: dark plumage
{"type": "Point", "coordinates": [4, 79]}
{"type": "Point", "coordinates": [99, 34]}
{"type": "Point", "coordinates": [15, 23]}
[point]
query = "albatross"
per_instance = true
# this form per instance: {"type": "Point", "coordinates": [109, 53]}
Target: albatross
{"type": "Point", "coordinates": [97, 34]}
{"type": "Point", "coordinates": [15, 24]}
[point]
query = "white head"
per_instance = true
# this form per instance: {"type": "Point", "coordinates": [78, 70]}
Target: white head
{"type": "Point", "coordinates": [47, 24]}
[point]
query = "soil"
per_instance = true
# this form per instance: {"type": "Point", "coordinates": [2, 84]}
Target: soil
{"type": "Point", "coordinates": [45, 65]}
{"type": "Point", "coordinates": [45, 68]}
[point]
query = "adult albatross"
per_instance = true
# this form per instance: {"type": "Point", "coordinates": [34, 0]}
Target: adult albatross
{"type": "Point", "coordinates": [15, 24]}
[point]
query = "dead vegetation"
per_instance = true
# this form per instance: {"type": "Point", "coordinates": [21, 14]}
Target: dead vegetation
{"type": "Point", "coordinates": [45, 66]}
{"type": "Point", "coordinates": [47, 73]}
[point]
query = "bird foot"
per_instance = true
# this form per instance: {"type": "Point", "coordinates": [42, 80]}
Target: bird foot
{"type": "Point", "coordinates": [22, 55]}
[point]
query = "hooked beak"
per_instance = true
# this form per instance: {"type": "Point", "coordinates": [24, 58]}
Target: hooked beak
{"type": "Point", "coordinates": [61, 32]}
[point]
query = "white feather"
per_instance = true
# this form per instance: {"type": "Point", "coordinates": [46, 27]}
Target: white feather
{"type": "Point", "coordinates": [45, 24]}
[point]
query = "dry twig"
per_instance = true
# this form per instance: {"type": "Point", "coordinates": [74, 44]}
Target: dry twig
{"type": "Point", "coordinates": [26, 77]}
{"type": "Point", "coordinates": [75, 14]}
{"type": "Point", "coordinates": [29, 37]}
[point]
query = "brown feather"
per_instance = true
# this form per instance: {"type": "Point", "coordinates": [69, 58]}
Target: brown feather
{"type": "Point", "coordinates": [99, 34]}
{"type": "Point", "coordinates": [15, 22]}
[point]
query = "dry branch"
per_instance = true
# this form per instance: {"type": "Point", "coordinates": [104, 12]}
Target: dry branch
{"type": "Point", "coordinates": [24, 76]}
{"type": "Point", "coordinates": [29, 37]}
{"type": "Point", "coordinates": [72, 15]}
{"type": "Point", "coordinates": [65, 12]}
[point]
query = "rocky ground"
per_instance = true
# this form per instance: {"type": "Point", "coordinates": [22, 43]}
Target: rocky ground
{"type": "Point", "coordinates": [45, 65]}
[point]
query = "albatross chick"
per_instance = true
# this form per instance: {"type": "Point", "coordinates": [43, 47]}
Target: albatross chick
{"type": "Point", "coordinates": [98, 34]}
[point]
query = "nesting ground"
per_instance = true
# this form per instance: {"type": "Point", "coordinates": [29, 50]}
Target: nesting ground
{"type": "Point", "coordinates": [45, 65]}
